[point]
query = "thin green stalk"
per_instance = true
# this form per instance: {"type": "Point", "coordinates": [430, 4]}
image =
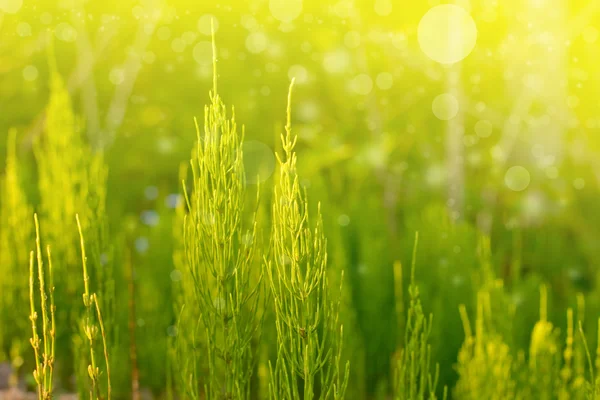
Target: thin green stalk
{"type": "Point", "coordinates": [89, 328]}
{"type": "Point", "coordinates": [44, 307]}
{"type": "Point", "coordinates": [104, 344]}
{"type": "Point", "coordinates": [44, 360]}
{"type": "Point", "coordinates": [35, 339]}
{"type": "Point", "coordinates": [587, 353]}
{"type": "Point", "coordinates": [52, 331]}
{"type": "Point", "coordinates": [90, 301]}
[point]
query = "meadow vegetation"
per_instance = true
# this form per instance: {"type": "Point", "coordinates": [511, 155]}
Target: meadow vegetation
{"type": "Point", "coordinates": [245, 286]}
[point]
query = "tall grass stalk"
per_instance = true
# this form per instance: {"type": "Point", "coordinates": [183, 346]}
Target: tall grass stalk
{"type": "Point", "coordinates": [309, 336]}
{"type": "Point", "coordinates": [93, 315]}
{"type": "Point", "coordinates": [220, 248]}
{"type": "Point", "coordinates": [43, 347]}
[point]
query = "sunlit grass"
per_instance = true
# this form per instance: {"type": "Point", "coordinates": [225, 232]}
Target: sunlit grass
{"type": "Point", "coordinates": [270, 264]}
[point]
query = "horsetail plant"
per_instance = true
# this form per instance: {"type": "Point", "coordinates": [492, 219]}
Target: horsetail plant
{"type": "Point", "coordinates": [43, 348]}
{"type": "Point", "coordinates": [485, 364]}
{"type": "Point", "coordinates": [309, 337]}
{"type": "Point", "coordinates": [90, 330]}
{"type": "Point", "coordinates": [544, 355]}
{"type": "Point", "coordinates": [219, 244]}
{"type": "Point", "coordinates": [549, 375]}
{"type": "Point", "coordinates": [413, 379]}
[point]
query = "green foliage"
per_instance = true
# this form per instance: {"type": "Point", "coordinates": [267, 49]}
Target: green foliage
{"type": "Point", "coordinates": [544, 356]}
{"type": "Point", "coordinates": [219, 241]}
{"type": "Point", "coordinates": [413, 379]}
{"type": "Point", "coordinates": [485, 363]}
{"type": "Point", "coordinates": [16, 236]}
{"type": "Point", "coordinates": [309, 337]}
{"type": "Point", "coordinates": [188, 315]}
{"type": "Point", "coordinates": [488, 367]}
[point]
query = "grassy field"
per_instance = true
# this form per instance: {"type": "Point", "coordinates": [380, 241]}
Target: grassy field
{"type": "Point", "coordinates": [299, 199]}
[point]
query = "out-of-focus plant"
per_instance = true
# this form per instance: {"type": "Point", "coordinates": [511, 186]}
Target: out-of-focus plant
{"type": "Point", "coordinates": [16, 236]}
{"type": "Point", "coordinates": [544, 355]}
{"type": "Point", "coordinates": [72, 180]}
{"type": "Point", "coordinates": [485, 363]}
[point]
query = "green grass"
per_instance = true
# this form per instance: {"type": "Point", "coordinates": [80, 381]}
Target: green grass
{"type": "Point", "coordinates": [244, 296]}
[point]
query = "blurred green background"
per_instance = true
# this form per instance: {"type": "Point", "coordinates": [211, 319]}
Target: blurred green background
{"type": "Point", "coordinates": [510, 149]}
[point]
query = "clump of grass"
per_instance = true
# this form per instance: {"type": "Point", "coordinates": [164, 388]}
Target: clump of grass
{"type": "Point", "coordinates": [485, 363]}
{"type": "Point", "coordinates": [219, 244]}
{"type": "Point", "coordinates": [16, 236]}
{"type": "Point", "coordinates": [572, 383]}
{"type": "Point", "coordinates": [487, 366]}
{"type": "Point", "coordinates": [90, 329]}
{"type": "Point", "coordinates": [413, 379]}
{"type": "Point", "coordinates": [44, 348]}
{"type": "Point", "coordinates": [552, 373]}
{"type": "Point", "coordinates": [309, 337]}
{"type": "Point", "coordinates": [544, 355]}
